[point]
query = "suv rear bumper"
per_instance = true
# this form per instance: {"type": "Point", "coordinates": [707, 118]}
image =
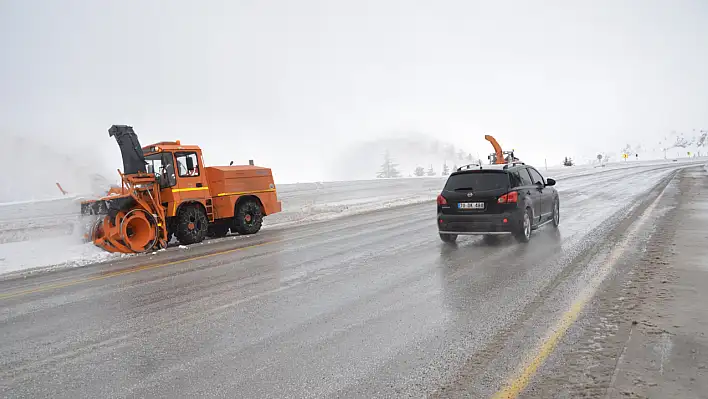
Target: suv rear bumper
{"type": "Point", "coordinates": [479, 224]}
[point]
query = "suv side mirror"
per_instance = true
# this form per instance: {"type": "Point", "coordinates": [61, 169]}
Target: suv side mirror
{"type": "Point", "coordinates": [550, 182]}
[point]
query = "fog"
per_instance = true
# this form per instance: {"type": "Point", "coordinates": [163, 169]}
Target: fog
{"type": "Point", "coordinates": [320, 90]}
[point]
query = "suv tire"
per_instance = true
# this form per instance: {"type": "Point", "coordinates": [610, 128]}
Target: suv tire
{"type": "Point", "coordinates": [524, 234]}
{"type": "Point", "coordinates": [556, 213]}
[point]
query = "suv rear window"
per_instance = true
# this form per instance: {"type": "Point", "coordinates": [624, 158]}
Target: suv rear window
{"type": "Point", "coordinates": [477, 181]}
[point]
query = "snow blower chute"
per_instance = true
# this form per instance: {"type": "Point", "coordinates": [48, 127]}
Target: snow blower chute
{"type": "Point", "coordinates": [498, 156]}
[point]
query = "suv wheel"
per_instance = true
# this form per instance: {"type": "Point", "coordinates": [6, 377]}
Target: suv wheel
{"type": "Point", "coordinates": [524, 234]}
{"type": "Point", "coordinates": [449, 238]}
{"type": "Point", "coordinates": [556, 213]}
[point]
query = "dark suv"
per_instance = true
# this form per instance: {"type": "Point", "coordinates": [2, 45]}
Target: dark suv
{"type": "Point", "coordinates": [496, 200]}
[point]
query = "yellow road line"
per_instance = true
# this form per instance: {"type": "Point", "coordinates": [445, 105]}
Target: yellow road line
{"type": "Point", "coordinates": [126, 271]}
{"type": "Point", "coordinates": [521, 380]}
{"type": "Point", "coordinates": [518, 384]}
{"type": "Point", "coordinates": [247, 192]}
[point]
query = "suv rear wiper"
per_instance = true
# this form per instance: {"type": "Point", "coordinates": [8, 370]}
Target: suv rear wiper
{"type": "Point", "coordinates": [464, 188]}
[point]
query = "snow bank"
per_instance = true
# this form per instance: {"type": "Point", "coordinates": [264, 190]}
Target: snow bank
{"type": "Point", "coordinates": [44, 233]}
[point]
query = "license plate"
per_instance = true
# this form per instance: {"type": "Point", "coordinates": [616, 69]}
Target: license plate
{"type": "Point", "coordinates": [470, 205]}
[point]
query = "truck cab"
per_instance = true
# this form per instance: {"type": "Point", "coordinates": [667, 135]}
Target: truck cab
{"type": "Point", "coordinates": [179, 169]}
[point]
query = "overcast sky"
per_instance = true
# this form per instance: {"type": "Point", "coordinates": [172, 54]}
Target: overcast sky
{"type": "Point", "coordinates": [294, 84]}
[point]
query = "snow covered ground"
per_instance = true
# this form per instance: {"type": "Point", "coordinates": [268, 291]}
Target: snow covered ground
{"type": "Point", "coordinates": [48, 233]}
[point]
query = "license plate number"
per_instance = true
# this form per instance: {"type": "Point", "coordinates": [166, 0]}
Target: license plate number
{"type": "Point", "coordinates": [470, 205]}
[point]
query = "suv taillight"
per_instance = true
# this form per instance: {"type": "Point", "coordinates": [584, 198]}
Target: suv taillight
{"type": "Point", "coordinates": [442, 200]}
{"type": "Point", "coordinates": [509, 198]}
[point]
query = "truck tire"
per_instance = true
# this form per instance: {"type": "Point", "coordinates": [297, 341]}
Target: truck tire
{"type": "Point", "coordinates": [248, 218]}
{"type": "Point", "coordinates": [218, 230]}
{"type": "Point", "coordinates": [191, 225]}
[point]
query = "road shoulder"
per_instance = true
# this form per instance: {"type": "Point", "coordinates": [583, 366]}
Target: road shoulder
{"type": "Point", "coordinates": [667, 352]}
{"type": "Point", "coordinates": [645, 334]}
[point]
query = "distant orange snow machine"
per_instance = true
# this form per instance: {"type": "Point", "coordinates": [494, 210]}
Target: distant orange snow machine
{"type": "Point", "coordinates": [498, 156]}
{"type": "Point", "coordinates": [166, 190]}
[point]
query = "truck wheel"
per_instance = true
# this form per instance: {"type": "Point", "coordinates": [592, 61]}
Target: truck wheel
{"type": "Point", "coordinates": [191, 226]}
{"type": "Point", "coordinates": [524, 233]}
{"type": "Point", "coordinates": [448, 238]}
{"type": "Point", "coordinates": [248, 218]}
{"type": "Point", "coordinates": [218, 230]}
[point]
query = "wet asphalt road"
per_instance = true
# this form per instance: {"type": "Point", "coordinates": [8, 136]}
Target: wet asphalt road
{"type": "Point", "coordinates": [371, 305]}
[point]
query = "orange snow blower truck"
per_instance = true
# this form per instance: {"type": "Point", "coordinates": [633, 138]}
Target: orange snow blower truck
{"type": "Point", "coordinates": [166, 190]}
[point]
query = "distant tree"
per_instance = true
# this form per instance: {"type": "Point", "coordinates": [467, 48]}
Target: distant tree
{"type": "Point", "coordinates": [454, 167]}
{"type": "Point", "coordinates": [702, 140]}
{"type": "Point", "coordinates": [388, 168]}
{"type": "Point", "coordinates": [431, 172]}
{"type": "Point", "coordinates": [445, 169]}
{"type": "Point", "coordinates": [419, 171]}
{"type": "Point", "coordinates": [681, 142]}
{"type": "Point", "coordinates": [470, 158]}
{"type": "Point", "coordinates": [460, 155]}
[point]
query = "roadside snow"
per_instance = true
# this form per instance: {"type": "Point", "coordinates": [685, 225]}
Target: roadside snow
{"type": "Point", "coordinates": [63, 251]}
{"type": "Point", "coordinates": [48, 233]}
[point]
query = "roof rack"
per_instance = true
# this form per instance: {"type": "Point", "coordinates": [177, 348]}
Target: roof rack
{"type": "Point", "coordinates": [469, 166]}
{"type": "Point", "coordinates": [513, 164]}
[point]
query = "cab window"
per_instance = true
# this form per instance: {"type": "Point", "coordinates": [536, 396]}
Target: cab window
{"type": "Point", "coordinates": [162, 166]}
{"type": "Point", "coordinates": [187, 165]}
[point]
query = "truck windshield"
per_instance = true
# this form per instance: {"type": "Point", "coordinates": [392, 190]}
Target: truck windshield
{"type": "Point", "coordinates": [162, 165]}
{"type": "Point", "coordinates": [477, 181]}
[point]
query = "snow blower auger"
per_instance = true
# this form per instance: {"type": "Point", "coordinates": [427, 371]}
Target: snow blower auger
{"type": "Point", "coordinates": [167, 191]}
{"type": "Point", "coordinates": [130, 220]}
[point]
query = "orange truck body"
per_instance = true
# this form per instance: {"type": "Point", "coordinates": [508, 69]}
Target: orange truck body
{"type": "Point", "coordinates": [218, 188]}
